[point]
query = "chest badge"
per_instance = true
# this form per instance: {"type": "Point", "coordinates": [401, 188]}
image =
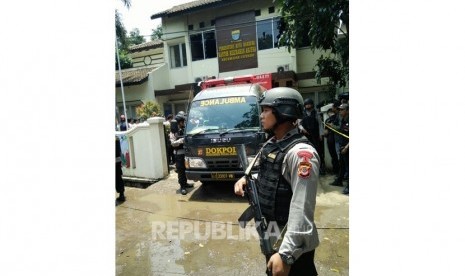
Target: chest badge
{"type": "Point", "coordinates": [272, 155]}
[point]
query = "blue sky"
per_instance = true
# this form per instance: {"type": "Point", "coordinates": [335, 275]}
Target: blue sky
{"type": "Point", "coordinates": [138, 16]}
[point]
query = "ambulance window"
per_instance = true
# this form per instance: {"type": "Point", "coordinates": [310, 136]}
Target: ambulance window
{"type": "Point", "coordinates": [224, 113]}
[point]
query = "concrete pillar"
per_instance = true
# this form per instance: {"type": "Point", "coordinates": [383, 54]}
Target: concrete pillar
{"type": "Point", "coordinates": [157, 146]}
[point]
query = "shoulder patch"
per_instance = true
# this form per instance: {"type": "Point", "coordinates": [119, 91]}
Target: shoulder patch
{"type": "Point", "coordinates": [305, 155]}
{"type": "Point", "coordinates": [305, 167]}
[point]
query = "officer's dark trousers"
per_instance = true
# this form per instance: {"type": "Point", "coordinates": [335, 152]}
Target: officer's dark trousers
{"type": "Point", "coordinates": [181, 168]}
{"type": "Point", "coordinates": [345, 158]}
{"type": "Point", "coordinates": [170, 157]}
{"type": "Point", "coordinates": [303, 266]}
{"type": "Point", "coordinates": [319, 146]}
{"type": "Point", "coordinates": [343, 165]}
{"type": "Point", "coordinates": [332, 151]}
{"type": "Point", "coordinates": [320, 149]}
{"type": "Point", "coordinates": [119, 178]}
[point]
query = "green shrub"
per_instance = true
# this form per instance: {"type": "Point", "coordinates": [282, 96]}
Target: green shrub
{"type": "Point", "coordinates": [147, 110]}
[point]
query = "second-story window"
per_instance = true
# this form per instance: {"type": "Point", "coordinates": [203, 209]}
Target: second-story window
{"type": "Point", "coordinates": [178, 55]}
{"type": "Point", "coordinates": [267, 33]}
{"type": "Point", "coordinates": [203, 45]}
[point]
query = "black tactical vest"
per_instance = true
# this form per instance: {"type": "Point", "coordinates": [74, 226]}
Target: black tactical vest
{"type": "Point", "coordinates": [179, 134]}
{"type": "Point", "coordinates": [274, 192]}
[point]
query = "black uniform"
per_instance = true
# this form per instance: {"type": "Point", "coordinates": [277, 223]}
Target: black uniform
{"type": "Point", "coordinates": [343, 141]}
{"type": "Point", "coordinates": [174, 126]}
{"type": "Point", "coordinates": [119, 171]}
{"type": "Point", "coordinates": [330, 141]}
{"type": "Point", "coordinates": [169, 149]}
{"type": "Point", "coordinates": [312, 126]}
{"type": "Point", "coordinates": [179, 156]}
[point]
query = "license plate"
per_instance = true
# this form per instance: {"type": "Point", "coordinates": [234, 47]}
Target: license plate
{"type": "Point", "coordinates": [222, 175]}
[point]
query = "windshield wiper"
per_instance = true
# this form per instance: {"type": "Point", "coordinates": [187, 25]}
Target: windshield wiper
{"type": "Point", "coordinates": [226, 131]}
{"type": "Point", "coordinates": [237, 129]}
{"type": "Point", "coordinates": [202, 131]}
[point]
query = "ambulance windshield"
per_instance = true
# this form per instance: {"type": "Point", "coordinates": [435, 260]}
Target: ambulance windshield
{"type": "Point", "coordinates": [223, 114]}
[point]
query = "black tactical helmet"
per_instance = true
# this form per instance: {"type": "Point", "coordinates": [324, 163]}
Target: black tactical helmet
{"type": "Point", "coordinates": [181, 116]}
{"type": "Point", "coordinates": [287, 102]}
{"type": "Point", "coordinates": [308, 101]}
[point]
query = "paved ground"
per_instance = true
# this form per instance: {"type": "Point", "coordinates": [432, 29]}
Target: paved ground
{"type": "Point", "coordinates": [143, 247]}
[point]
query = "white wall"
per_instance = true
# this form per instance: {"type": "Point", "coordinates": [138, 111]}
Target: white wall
{"type": "Point", "coordinates": [268, 61]}
{"type": "Point", "coordinates": [179, 76]}
{"type": "Point", "coordinates": [148, 58]}
{"type": "Point", "coordinates": [160, 78]}
{"type": "Point", "coordinates": [306, 59]}
{"type": "Point", "coordinates": [142, 92]}
{"type": "Point", "coordinates": [147, 150]}
{"type": "Point", "coordinates": [202, 68]}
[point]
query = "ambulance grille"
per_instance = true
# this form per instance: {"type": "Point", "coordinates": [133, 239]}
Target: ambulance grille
{"type": "Point", "coordinates": [223, 164]}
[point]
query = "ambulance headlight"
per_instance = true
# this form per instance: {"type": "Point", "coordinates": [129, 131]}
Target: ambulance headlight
{"type": "Point", "coordinates": [195, 163]}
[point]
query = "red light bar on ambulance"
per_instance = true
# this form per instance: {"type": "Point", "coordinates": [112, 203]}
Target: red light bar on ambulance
{"type": "Point", "coordinates": [262, 79]}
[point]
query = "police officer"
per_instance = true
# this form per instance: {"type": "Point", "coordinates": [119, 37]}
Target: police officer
{"type": "Point", "coordinates": [119, 185]}
{"type": "Point", "coordinates": [312, 127]}
{"type": "Point", "coordinates": [287, 183]}
{"type": "Point", "coordinates": [122, 125]}
{"type": "Point", "coordinates": [177, 141]}
{"type": "Point", "coordinates": [174, 124]}
{"type": "Point", "coordinates": [330, 138]}
{"type": "Point", "coordinates": [342, 146]}
{"type": "Point", "coordinates": [169, 148]}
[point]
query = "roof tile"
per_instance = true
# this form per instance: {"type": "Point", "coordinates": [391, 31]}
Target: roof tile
{"type": "Point", "coordinates": [188, 6]}
{"type": "Point", "coordinates": [146, 46]}
{"type": "Point", "coordinates": [133, 76]}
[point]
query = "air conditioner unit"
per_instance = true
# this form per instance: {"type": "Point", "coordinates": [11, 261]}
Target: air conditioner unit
{"type": "Point", "coordinates": [208, 77]}
{"type": "Point", "coordinates": [282, 68]}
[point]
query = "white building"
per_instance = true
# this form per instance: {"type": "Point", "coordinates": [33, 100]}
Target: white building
{"type": "Point", "coordinates": [215, 39]}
